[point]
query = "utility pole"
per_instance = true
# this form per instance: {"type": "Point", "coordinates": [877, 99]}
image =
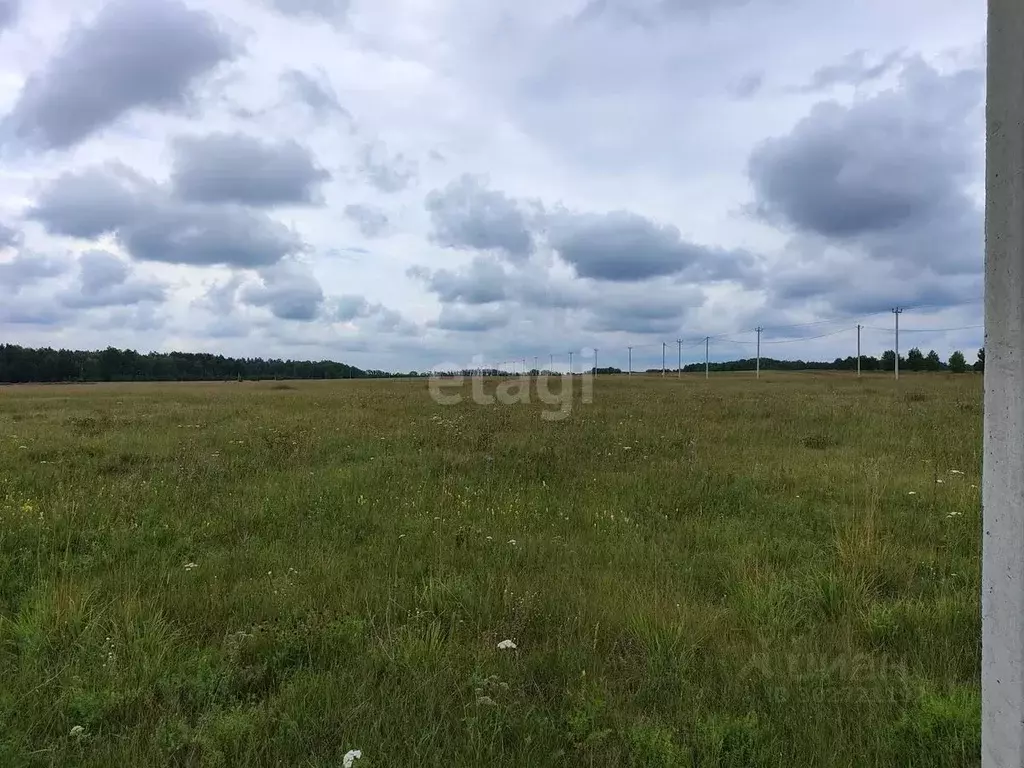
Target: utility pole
{"type": "Point", "coordinates": [551, 365]}
{"type": "Point", "coordinates": [663, 359]}
{"type": "Point", "coordinates": [570, 362]}
{"type": "Point", "coordinates": [858, 350]}
{"type": "Point", "coordinates": [595, 361]}
{"type": "Point", "coordinates": [630, 361]}
{"type": "Point", "coordinates": [679, 366]}
{"type": "Point", "coordinates": [1002, 482]}
{"type": "Point", "coordinates": [707, 343]}
{"type": "Point", "coordinates": [536, 365]}
{"type": "Point", "coordinates": [897, 311]}
{"type": "Point", "coordinates": [759, 329]}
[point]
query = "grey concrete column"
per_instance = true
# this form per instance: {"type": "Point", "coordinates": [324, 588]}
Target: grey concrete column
{"type": "Point", "coordinates": [1002, 599]}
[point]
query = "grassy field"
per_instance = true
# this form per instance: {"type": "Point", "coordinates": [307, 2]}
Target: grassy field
{"type": "Point", "coordinates": [782, 572]}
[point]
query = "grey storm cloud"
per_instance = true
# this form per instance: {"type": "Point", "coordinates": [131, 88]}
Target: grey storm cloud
{"type": "Point", "coordinates": [93, 201]}
{"type": "Point", "coordinates": [31, 311]}
{"type": "Point", "coordinates": [200, 236]}
{"type": "Point", "coordinates": [9, 12]}
{"type": "Point", "coordinates": [372, 221]}
{"type": "Point", "coordinates": [219, 298]}
{"type": "Point", "coordinates": [748, 86]}
{"type": "Point", "coordinates": [483, 282]}
{"type": "Point", "coordinates": [154, 226]}
{"type": "Point", "coordinates": [618, 246]}
{"type": "Point", "coordinates": [105, 280]}
{"type": "Point", "coordinates": [333, 11]}
{"type": "Point", "coordinates": [851, 287]}
{"type": "Point", "coordinates": [485, 294]}
{"type": "Point", "coordinates": [289, 291]}
{"type": "Point", "coordinates": [390, 321]}
{"type": "Point", "coordinates": [467, 215]}
{"type": "Point", "coordinates": [349, 307]}
{"type": "Point", "coordinates": [888, 174]}
{"type": "Point", "coordinates": [9, 237]}
{"type": "Point", "coordinates": [135, 54]}
{"type": "Point", "coordinates": [853, 70]}
{"type": "Point", "coordinates": [624, 246]}
{"type": "Point", "coordinates": [28, 269]}
{"type": "Point", "coordinates": [237, 168]}
{"type": "Point", "coordinates": [386, 173]}
{"type": "Point", "coordinates": [316, 94]}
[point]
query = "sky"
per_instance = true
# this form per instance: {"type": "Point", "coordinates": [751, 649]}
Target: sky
{"type": "Point", "coordinates": [411, 184]}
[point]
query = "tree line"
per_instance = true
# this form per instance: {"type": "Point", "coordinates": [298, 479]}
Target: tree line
{"type": "Point", "coordinates": [20, 365]}
{"type": "Point", "coordinates": [915, 360]}
{"type": "Point", "coordinates": [25, 364]}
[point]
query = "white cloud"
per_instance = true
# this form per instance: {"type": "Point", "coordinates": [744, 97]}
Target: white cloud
{"type": "Point", "coordinates": [396, 182]}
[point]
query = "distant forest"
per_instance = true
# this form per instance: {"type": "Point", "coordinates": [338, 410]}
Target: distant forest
{"type": "Point", "coordinates": [20, 365]}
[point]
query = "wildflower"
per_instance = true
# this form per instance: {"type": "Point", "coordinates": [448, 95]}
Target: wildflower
{"type": "Point", "coordinates": [911, 493]}
{"type": "Point", "coordinates": [350, 757]}
{"type": "Point", "coordinates": [512, 542]}
{"type": "Point", "coordinates": [939, 480]}
{"type": "Point", "coordinates": [77, 731]}
{"type": "Point", "coordinates": [954, 513]}
{"type": "Point", "coordinates": [506, 645]}
{"type": "Point", "coordinates": [191, 566]}
{"type": "Point", "coordinates": [487, 701]}
{"type": "Point", "coordinates": [490, 538]}
{"type": "Point", "coordinates": [955, 472]}
{"type": "Point", "coordinates": [627, 447]}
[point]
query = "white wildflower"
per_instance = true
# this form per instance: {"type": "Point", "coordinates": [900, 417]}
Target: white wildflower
{"type": "Point", "coordinates": [512, 542]}
{"type": "Point", "coordinates": [506, 645]}
{"type": "Point", "coordinates": [911, 493]}
{"type": "Point", "coordinates": [627, 447]}
{"type": "Point", "coordinates": [77, 731]}
{"type": "Point", "coordinates": [191, 566]}
{"type": "Point", "coordinates": [939, 480]}
{"type": "Point", "coordinates": [350, 757]}
{"type": "Point", "coordinates": [487, 701]}
{"type": "Point", "coordinates": [955, 472]}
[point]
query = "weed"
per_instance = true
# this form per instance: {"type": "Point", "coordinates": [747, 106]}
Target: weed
{"type": "Point", "coordinates": [697, 573]}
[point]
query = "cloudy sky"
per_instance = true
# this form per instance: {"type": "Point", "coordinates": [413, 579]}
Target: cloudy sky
{"type": "Point", "coordinates": [405, 183]}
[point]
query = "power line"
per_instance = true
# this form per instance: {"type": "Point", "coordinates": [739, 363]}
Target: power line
{"type": "Point", "coordinates": [925, 330]}
{"type": "Point", "coordinates": [862, 315]}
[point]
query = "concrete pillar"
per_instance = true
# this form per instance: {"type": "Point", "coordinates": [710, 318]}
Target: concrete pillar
{"type": "Point", "coordinates": [1002, 599]}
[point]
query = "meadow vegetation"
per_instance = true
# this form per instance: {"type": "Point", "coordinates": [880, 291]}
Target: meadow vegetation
{"type": "Point", "coordinates": [733, 572]}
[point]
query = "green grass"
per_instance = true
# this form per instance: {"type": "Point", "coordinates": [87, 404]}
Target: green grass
{"type": "Point", "coordinates": [721, 573]}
